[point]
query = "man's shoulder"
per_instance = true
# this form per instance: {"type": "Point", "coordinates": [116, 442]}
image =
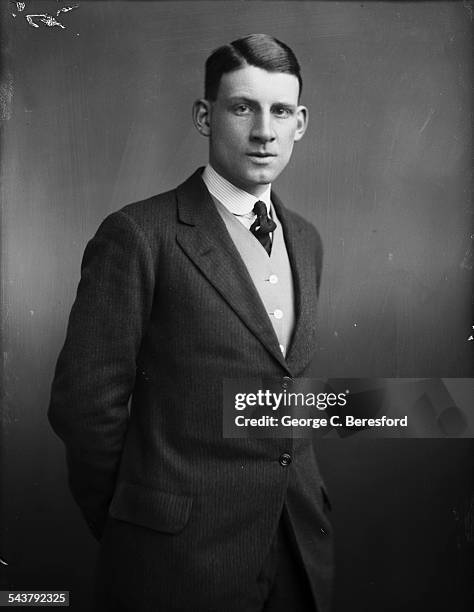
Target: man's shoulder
{"type": "Point", "coordinates": [161, 208]}
{"type": "Point", "coordinates": [142, 222]}
{"type": "Point", "coordinates": [305, 228]}
{"type": "Point", "coordinates": [150, 216]}
{"type": "Point", "coordinates": [151, 208]}
{"type": "Point", "coordinates": [300, 221]}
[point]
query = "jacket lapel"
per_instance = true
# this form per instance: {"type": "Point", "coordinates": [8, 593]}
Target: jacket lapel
{"type": "Point", "coordinates": [204, 238]}
{"type": "Point", "coordinates": [302, 259]}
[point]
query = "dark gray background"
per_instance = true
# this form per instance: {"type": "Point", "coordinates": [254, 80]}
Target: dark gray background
{"type": "Point", "coordinates": [99, 114]}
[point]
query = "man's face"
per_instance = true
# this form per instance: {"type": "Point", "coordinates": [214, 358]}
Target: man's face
{"type": "Point", "coordinates": [252, 126]}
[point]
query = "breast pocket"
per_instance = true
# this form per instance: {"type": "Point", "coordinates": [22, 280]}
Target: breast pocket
{"type": "Point", "coordinates": [150, 507]}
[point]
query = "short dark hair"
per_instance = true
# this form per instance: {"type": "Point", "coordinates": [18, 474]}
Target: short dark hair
{"type": "Point", "coordinates": [259, 50]}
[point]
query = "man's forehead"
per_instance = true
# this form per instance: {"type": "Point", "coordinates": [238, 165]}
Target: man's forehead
{"type": "Point", "coordinates": [258, 84]}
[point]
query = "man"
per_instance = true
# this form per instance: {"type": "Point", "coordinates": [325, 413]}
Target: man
{"type": "Point", "coordinates": [214, 280]}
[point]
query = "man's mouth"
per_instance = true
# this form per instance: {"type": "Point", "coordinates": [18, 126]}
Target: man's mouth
{"type": "Point", "coordinates": [261, 158]}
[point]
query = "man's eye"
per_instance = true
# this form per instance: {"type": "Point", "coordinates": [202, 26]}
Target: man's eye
{"type": "Point", "coordinates": [281, 111]}
{"type": "Point", "coordinates": [242, 109]}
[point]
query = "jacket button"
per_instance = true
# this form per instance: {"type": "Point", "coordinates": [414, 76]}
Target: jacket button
{"type": "Point", "coordinates": [285, 383]}
{"type": "Point", "coordinates": [285, 459]}
{"type": "Point", "coordinates": [323, 531]}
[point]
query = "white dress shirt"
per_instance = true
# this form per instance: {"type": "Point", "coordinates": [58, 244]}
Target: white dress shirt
{"type": "Point", "coordinates": [237, 201]}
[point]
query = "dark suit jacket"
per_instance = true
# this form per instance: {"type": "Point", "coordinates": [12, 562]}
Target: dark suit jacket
{"type": "Point", "coordinates": [166, 310]}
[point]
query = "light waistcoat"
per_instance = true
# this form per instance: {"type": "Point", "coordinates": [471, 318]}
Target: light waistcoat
{"type": "Point", "coordinates": [271, 276]}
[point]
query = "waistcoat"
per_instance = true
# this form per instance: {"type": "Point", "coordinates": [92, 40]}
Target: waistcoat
{"type": "Point", "coordinates": [271, 275]}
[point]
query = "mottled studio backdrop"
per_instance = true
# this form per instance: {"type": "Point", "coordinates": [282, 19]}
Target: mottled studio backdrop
{"type": "Point", "coordinates": [98, 114]}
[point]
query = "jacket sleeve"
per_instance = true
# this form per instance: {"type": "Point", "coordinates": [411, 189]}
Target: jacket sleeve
{"type": "Point", "coordinates": [95, 373]}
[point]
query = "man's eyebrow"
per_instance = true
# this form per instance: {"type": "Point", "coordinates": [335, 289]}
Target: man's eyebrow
{"type": "Point", "coordinates": [251, 102]}
{"type": "Point", "coordinates": [234, 99]}
{"type": "Point", "coordinates": [288, 105]}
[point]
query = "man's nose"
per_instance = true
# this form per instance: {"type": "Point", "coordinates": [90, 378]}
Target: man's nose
{"type": "Point", "coordinates": [262, 128]}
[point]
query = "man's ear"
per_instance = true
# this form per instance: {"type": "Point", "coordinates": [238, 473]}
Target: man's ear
{"type": "Point", "coordinates": [202, 116]}
{"type": "Point", "coordinates": [301, 122]}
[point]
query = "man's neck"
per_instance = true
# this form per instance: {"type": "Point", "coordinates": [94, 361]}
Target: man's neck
{"type": "Point", "coordinates": [258, 192]}
{"type": "Point", "coordinates": [238, 201]}
{"type": "Point", "coordinates": [255, 192]}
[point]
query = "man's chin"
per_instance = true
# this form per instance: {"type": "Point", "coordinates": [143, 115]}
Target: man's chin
{"type": "Point", "coordinates": [262, 176]}
{"type": "Point", "coordinates": [254, 179]}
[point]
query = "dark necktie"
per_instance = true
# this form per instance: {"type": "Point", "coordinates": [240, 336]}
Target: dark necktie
{"type": "Point", "coordinates": [262, 226]}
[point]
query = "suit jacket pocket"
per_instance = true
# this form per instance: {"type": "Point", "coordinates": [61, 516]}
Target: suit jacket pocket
{"type": "Point", "coordinates": [149, 507]}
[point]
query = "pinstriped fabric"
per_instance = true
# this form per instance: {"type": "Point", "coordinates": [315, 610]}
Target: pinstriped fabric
{"type": "Point", "coordinates": [164, 312]}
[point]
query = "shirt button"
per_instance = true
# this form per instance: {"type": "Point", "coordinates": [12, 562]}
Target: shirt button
{"type": "Point", "coordinates": [273, 279]}
{"type": "Point", "coordinates": [278, 314]}
{"type": "Point", "coordinates": [285, 459]}
{"type": "Point", "coordinates": [282, 349]}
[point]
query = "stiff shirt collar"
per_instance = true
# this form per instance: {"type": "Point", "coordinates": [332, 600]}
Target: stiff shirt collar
{"type": "Point", "coordinates": [237, 201]}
